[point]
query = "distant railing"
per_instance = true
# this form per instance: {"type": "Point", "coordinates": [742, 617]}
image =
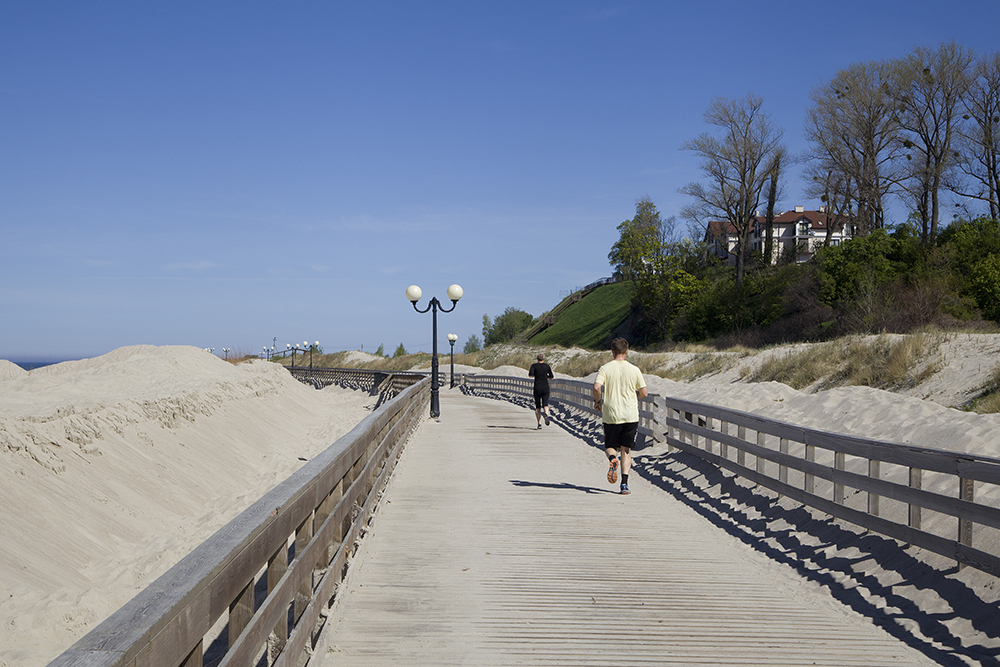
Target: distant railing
{"type": "Point", "coordinates": [392, 382]}
{"type": "Point", "coordinates": [271, 572]}
{"type": "Point", "coordinates": [931, 498]}
{"type": "Point", "coordinates": [573, 297]}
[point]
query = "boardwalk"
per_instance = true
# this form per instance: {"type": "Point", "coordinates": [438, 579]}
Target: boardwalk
{"type": "Point", "coordinates": [500, 545]}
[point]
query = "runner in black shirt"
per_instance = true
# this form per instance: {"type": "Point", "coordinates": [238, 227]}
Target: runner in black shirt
{"type": "Point", "coordinates": [541, 372]}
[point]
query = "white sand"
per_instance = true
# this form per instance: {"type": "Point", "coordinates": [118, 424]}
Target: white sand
{"type": "Point", "coordinates": [114, 468]}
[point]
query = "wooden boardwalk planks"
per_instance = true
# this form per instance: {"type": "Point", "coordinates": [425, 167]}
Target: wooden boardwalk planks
{"type": "Point", "coordinates": [497, 544]}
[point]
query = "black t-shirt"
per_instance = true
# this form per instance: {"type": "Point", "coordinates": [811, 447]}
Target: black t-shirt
{"type": "Point", "coordinates": [541, 372]}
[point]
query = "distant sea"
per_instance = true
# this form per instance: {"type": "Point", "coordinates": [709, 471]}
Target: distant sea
{"type": "Point", "coordinates": [30, 365]}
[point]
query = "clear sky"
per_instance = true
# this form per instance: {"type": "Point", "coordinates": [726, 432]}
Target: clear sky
{"type": "Point", "coordinates": [222, 174]}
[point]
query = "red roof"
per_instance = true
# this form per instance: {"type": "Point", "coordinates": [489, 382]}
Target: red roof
{"type": "Point", "coordinates": [816, 220]}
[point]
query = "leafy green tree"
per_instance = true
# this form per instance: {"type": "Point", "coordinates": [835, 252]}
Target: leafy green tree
{"type": "Point", "coordinates": [985, 287]}
{"type": "Point", "coordinates": [506, 326]}
{"type": "Point", "coordinates": [640, 242]}
{"type": "Point", "coordinates": [856, 267]}
{"type": "Point", "coordinates": [472, 345]}
{"type": "Point", "coordinates": [400, 351]}
{"type": "Point", "coordinates": [380, 352]}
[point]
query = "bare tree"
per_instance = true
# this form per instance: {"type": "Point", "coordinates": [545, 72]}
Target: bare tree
{"type": "Point", "coordinates": [854, 132]}
{"type": "Point", "coordinates": [931, 85]}
{"type": "Point", "coordinates": [736, 167]}
{"type": "Point", "coordinates": [836, 191]}
{"type": "Point", "coordinates": [977, 146]}
{"type": "Point", "coordinates": [778, 163]}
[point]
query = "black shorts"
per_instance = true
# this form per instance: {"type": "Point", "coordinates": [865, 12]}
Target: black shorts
{"type": "Point", "coordinates": [617, 436]}
{"type": "Point", "coordinates": [541, 399]}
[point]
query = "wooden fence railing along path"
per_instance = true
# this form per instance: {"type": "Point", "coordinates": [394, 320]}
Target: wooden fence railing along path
{"type": "Point", "coordinates": [271, 572]}
{"type": "Point", "coordinates": [943, 501]}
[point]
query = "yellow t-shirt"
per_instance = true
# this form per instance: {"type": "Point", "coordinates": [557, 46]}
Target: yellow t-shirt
{"type": "Point", "coordinates": [620, 380]}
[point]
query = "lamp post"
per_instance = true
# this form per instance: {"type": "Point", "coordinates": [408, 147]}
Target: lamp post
{"type": "Point", "coordinates": [451, 339]}
{"type": "Point", "coordinates": [311, 348]}
{"type": "Point", "coordinates": [413, 295]}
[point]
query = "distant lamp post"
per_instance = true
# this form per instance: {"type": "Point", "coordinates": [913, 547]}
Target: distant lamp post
{"type": "Point", "coordinates": [225, 352]}
{"type": "Point", "coordinates": [311, 348]}
{"type": "Point", "coordinates": [451, 339]}
{"type": "Point", "coordinates": [288, 346]}
{"type": "Point", "coordinates": [413, 295]}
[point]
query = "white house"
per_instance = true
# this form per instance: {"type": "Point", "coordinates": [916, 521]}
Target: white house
{"type": "Point", "coordinates": [798, 231]}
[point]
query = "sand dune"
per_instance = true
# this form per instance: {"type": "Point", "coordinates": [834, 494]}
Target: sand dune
{"type": "Point", "coordinates": [114, 468]}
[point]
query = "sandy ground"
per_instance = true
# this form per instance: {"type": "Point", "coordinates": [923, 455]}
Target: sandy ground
{"type": "Point", "coordinates": [114, 468]}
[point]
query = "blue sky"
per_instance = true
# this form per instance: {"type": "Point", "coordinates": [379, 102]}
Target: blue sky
{"type": "Point", "coordinates": [221, 174]}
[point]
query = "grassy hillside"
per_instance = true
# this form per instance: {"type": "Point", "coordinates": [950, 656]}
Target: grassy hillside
{"type": "Point", "coordinates": [589, 322]}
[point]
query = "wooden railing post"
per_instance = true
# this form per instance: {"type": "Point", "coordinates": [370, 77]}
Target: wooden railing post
{"type": "Point", "coordinates": [783, 469]}
{"type": "Point", "coordinates": [809, 483]}
{"type": "Point", "coordinates": [761, 440]}
{"type": "Point", "coordinates": [195, 657]}
{"type": "Point", "coordinates": [277, 565]}
{"type": "Point", "coordinates": [967, 492]}
{"type": "Point", "coordinates": [916, 482]}
{"type": "Point", "coordinates": [303, 536]}
{"type": "Point", "coordinates": [741, 454]}
{"type": "Point", "coordinates": [671, 431]}
{"type": "Point", "coordinates": [874, 470]}
{"type": "Point", "coordinates": [240, 613]}
{"type": "Point", "coordinates": [839, 462]}
{"type": "Point", "coordinates": [723, 445]}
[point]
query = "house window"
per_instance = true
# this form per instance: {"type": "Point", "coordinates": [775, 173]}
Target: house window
{"type": "Point", "coordinates": [834, 242]}
{"type": "Point", "coordinates": [803, 229]}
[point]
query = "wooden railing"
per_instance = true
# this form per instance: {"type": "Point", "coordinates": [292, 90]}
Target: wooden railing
{"type": "Point", "coordinates": [356, 378]}
{"type": "Point", "coordinates": [931, 498]}
{"type": "Point", "coordinates": [270, 573]}
{"type": "Point", "coordinates": [386, 383]}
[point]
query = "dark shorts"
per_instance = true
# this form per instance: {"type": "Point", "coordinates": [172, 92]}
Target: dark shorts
{"type": "Point", "coordinates": [617, 436]}
{"type": "Point", "coordinates": [541, 399]}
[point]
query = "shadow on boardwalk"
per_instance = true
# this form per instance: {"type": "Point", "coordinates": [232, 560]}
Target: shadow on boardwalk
{"type": "Point", "coordinates": [947, 619]}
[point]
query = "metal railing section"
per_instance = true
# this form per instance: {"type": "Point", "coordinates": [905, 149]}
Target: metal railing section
{"type": "Point", "coordinates": [270, 573]}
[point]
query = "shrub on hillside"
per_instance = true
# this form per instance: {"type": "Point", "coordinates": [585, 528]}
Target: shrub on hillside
{"type": "Point", "coordinates": [505, 327]}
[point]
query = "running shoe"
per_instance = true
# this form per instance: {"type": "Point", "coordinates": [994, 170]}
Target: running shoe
{"type": "Point", "coordinates": [539, 428]}
{"type": "Point", "coordinates": [613, 472]}
{"type": "Point", "coordinates": [546, 420]}
{"type": "Point", "coordinates": [625, 490]}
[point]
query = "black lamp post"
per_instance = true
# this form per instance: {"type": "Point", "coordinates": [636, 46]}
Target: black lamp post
{"type": "Point", "coordinates": [413, 295]}
{"type": "Point", "coordinates": [311, 348]}
{"type": "Point", "coordinates": [451, 339]}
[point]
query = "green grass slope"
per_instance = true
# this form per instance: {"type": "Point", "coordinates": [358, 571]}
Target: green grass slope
{"type": "Point", "coordinates": [589, 322]}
